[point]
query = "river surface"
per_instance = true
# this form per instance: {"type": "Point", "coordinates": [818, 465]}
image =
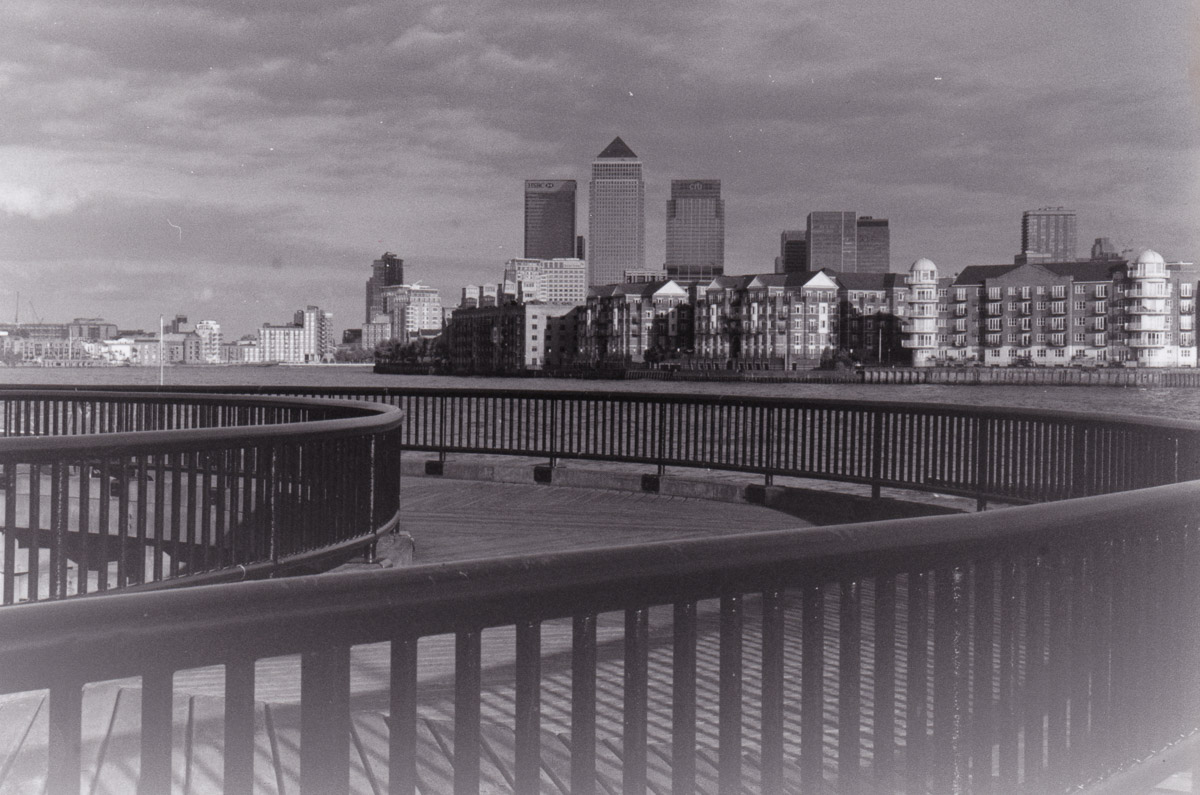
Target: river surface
{"type": "Point", "coordinates": [1174, 402]}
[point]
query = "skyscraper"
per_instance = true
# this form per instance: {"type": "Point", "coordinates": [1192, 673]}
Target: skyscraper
{"type": "Point", "coordinates": [616, 215]}
{"type": "Point", "coordinates": [874, 245]}
{"type": "Point", "coordinates": [695, 230]}
{"type": "Point", "coordinates": [385, 271]}
{"type": "Point", "coordinates": [1047, 235]}
{"type": "Point", "coordinates": [833, 241]}
{"type": "Point", "coordinates": [793, 251]}
{"type": "Point", "coordinates": [549, 218]}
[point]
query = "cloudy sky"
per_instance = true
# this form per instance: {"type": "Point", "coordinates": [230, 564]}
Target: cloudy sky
{"type": "Point", "coordinates": [235, 160]}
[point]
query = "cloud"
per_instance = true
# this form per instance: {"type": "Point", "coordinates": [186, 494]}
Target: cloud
{"type": "Point", "coordinates": [318, 134]}
{"type": "Point", "coordinates": [31, 202]}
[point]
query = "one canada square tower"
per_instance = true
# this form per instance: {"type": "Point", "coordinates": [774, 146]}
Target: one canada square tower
{"type": "Point", "coordinates": [616, 215]}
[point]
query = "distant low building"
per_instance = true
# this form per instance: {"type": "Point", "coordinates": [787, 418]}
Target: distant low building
{"type": "Point", "coordinates": [512, 338]}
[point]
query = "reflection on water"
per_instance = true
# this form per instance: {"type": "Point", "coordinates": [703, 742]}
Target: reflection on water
{"type": "Point", "coordinates": [1176, 402]}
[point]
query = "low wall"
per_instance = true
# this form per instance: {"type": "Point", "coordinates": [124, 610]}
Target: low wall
{"type": "Point", "coordinates": [1037, 376]}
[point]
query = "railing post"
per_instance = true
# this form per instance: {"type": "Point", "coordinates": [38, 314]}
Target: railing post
{"type": "Point", "coordinates": [662, 438]}
{"type": "Point", "coordinates": [64, 744]}
{"type": "Point", "coordinates": [441, 399]}
{"type": "Point", "coordinates": [553, 431]}
{"type": "Point", "coordinates": [325, 721]}
{"type": "Point", "coordinates": [982, 449]}
{"type": "Point", "coordinates": [876, 453]}
{"type": "Point", "coordinates": [766, 443]}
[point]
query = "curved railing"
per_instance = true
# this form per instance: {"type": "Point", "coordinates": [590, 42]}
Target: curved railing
{"type": "Point", "coordinates": [989, 453]}
{"type": "Point", "coordinates": [104, 490]}
{"type": "Point", "coordinates": [1033, 649]}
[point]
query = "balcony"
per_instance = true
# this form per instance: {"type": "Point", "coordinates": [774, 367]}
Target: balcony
{"type": "Point", "coordinates": [1146, 340]}
{"type": "Point", "coordinates": [658, 638]}
{"type": "Point", "coordinates": [1149, 291]}
{"type": "Point", "coordinates": [921, 326]}
{"type": "Point", "coordinates": [1147, 307]}
{"type": "Point", "coordinates": [1147, 323]}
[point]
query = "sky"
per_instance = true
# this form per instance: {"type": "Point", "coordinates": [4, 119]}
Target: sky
{"type": "Point", "coordinates": [236, 161]}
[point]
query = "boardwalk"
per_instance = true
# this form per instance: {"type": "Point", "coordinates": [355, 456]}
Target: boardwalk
{"type": "Point", "coordinates": [449, 520]}
{"type": "Point", "coordinates": [457, 520]}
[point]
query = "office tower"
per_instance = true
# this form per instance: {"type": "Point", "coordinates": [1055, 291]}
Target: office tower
{"type": "Point", "coordinates": [1103, 250]}
{"type": "Point", "coordinates": [793, 251]}
{"type": "Point", "coordinates": [616, 215]}
{"type": "Point", "coordinates": [580, 248]}
{"type": "Point", "coordinates": [695, 230]}
{"type": "Point", "coordinates": [1047, 235]}
{"type": "Point", "coordinates": [385, 271]}
{"type": "Point", "coordinates": [549, 218]}
{"type": "Point", "coordinates": [833, 241]}
{"type": "Point", "coordinates": [874, 245]}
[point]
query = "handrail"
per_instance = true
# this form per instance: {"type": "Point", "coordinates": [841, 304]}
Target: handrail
{"type": "Point", "coordinates": [1008, 455]}
{"type": "Point", "coordinates": [153, 491]}
{"type": "Point", "coordinates": [1031, 649]}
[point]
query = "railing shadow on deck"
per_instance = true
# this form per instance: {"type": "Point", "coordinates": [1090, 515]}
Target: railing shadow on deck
{"type": "Point", "coordinates": [1031, 649]}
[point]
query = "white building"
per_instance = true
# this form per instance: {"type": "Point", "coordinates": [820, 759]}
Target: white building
{"type": "Point", "coordinates": [318, 337]}
{"type": "Point", "coordinates": [412, 308]}
{"type": "Point", "coordinates": [210, 341]}
{"type": "Point", "coordinates": [282, 343]}
{"type": "Point", "coordinates": [548, 281]}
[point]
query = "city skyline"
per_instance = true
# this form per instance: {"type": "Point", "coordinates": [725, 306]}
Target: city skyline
{"type": "Point", "coordinates": [237, 163]}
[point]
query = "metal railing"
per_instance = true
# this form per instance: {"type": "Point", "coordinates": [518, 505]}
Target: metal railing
{"type": "Point", "coordinates": [988, 453]}
{"type": "Point", "coordinates": [104, 490]}
{"type": "Point", "coordinates": [1033, 649]}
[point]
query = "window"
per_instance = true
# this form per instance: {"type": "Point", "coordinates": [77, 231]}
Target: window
{"type": "Point", "coordinates": [1080, 321]}
{"type": "Point", "coordinates": [1101, 290]}
{"type": "Point", "coordinates": [1185, 290]}
{"type": "Point", "coordinates": [1041, 353]}
{"type": "Point", "coordinates": [1080, 306]}
{"type": "Point", "coordinates": [1012, 291]}
{"type": "Point", "coordinates": [1080, 337]}
{"type": "Point", "coordinates": [1012, 337]}
{"type": "Point", "coordinates": [1101, 307]}
{"type": "Point", "coordinates": [960, 294]}
{"type": "Point", "coordinates": [1041, 306]}
{"type": "Point", "coordinates": [1058, 291]}
{"type": "Point", "coordinates": [993, 293]}
{"type": "Point", "coordinates": [1080, 289]}
{"type": "Point", "coordinates": [993, 324]}
{"type": "Point", "coordinates": [1041, 321]}
{"type": "Point", "coordinates": [1041, 339]}
{"type": "Point", "coordinates": [1025, 293]}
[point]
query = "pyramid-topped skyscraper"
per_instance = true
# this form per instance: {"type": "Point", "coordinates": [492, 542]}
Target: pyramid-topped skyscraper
{"type": "Point", "coordinates": [616, 215]}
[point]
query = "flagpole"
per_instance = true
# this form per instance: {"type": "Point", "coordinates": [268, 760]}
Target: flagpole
{"type": "Point", "coordinates": [160, 350]}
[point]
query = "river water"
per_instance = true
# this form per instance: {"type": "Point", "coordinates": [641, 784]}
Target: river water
{"type": "Point", "coordinates": [1175, 402]}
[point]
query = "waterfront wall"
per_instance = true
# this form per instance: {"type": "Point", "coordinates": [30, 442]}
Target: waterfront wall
{"type": "Point", "coordinates": [1032, 376]}
{"type": "Point", "coordinates": [965, 376]}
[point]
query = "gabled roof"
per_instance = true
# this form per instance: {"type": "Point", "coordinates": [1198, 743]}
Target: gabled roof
{"type": "Point", "coordinates": [617, 148]}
